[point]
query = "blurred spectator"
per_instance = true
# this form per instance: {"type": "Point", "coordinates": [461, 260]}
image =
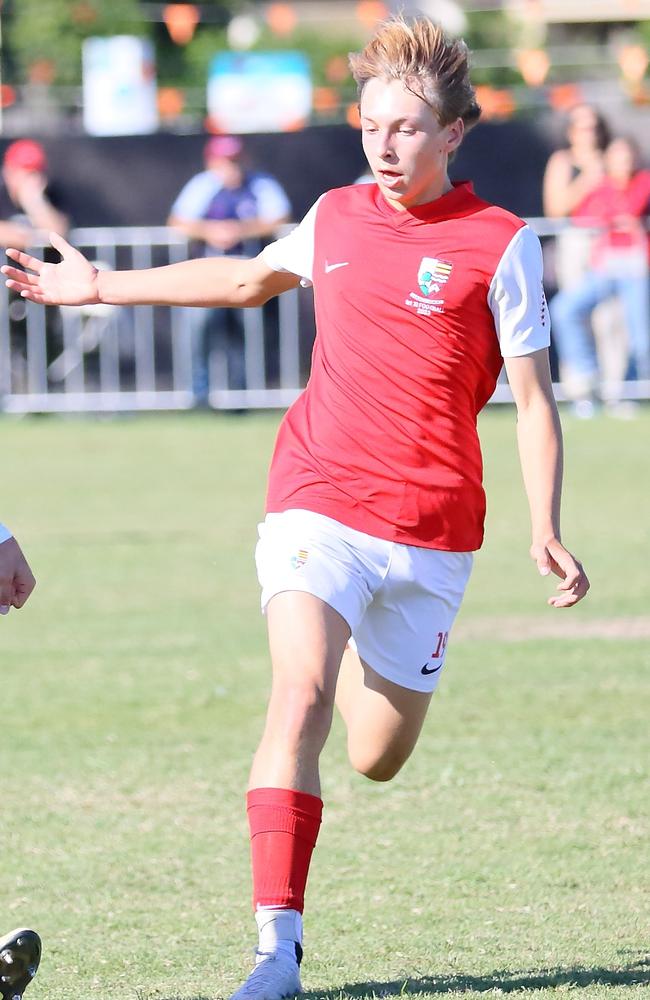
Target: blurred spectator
{"type": "Point", "coordinates": [228, 209]}
{"type": "Point", "coordinates": [29, 203]}
{"type": "Point", "coordinates": [31, 206]}
{"type": "Point", "coordinates": [618, 266]}
{"type": "Point", "coordinates": [571, 175]}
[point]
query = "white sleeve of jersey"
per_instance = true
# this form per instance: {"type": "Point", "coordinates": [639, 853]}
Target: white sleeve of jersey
{"type": "Point", "coordinates": [295, 253]}
{"type": "Point", "coordinates": [516, 297]}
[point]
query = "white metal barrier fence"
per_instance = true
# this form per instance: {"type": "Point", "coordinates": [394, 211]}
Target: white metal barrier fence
{"type": "Point", "coordinates": [113, 358]}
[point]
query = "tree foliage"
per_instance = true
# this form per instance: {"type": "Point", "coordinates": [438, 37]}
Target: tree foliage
{"type": "Point", "coordinates": [43, 39]}
{"type": "Point", "coordinates": [50, 34]}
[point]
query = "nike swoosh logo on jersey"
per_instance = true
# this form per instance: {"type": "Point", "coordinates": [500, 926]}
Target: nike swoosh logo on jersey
{"type": "Point", "coordinates": [333, 267]}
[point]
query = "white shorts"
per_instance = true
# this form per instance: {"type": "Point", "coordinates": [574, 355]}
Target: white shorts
{"type": "Point", "coordinates": [400, 601]}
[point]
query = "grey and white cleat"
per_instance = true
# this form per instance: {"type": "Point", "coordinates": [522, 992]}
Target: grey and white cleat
{"type": "Point", "coordinates": [276, 975]}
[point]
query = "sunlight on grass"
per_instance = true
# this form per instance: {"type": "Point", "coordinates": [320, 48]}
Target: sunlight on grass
{"type": "Point", "coordinates": [509, 856]}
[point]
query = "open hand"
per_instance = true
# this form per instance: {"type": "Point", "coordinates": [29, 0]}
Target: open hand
{"type": "Point", "coordinates": [71, 282]}
{"type": "Point", "coordinates": [552, 557]}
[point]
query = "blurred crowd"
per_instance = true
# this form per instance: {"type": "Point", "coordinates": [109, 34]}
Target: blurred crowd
{"type": "Point", "coordinates": [601, 312]}
{"type": "Point", "coordinates": [595, 186]}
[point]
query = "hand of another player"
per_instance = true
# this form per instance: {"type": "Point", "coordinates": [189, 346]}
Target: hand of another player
{"type": "Point", "coordinates": [552, 557]}
{"type": "Point", "coordinates": [71, 282]}
{"type": "Point", "coordinates": [16, 578]}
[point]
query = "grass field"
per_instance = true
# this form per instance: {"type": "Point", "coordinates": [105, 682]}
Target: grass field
{"type": "Point", "coordinates": [511, 854]}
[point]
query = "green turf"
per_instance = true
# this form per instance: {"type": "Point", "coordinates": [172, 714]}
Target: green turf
{"type": "Point", "coordinates": [511, 854]}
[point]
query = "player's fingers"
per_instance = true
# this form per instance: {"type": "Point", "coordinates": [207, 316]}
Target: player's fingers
{"type": "Point", "coordinates": [574, 576]}
{"type": "Point", "coordinates": [20, 287]}
{"type": "Point", "coordinates": [567, 598]}
{"type": "Point", "coordinates": [25, 259]}
{"type": "Point", "coordinates": [571, 577]}
{"type": "Point", "coordinates": [540, 554]}
{"type": "Point", "coordinates": [6, 593]}
{"type": "Point", "coordinates": [4, 609]}
{"type": "Point", "coordinates": [25, 291]}
{"type": "Point", "coordinates": [23, 587]}
{"type": "Point", "coordinates": [65, 249]}
{"type": "Point", "coordinates": [564, 601]}
{"type": "Point", "coordinates": [22, 277]}
{"type": "Point", "coordinates": [564, 565]}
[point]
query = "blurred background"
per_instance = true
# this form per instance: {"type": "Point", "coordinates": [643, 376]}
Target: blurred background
{"type": "Point", "coordinates": [122, 97]}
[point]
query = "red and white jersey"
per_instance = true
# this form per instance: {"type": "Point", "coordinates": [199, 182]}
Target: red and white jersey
{"type": "Point", "coordinates": [414, 312]}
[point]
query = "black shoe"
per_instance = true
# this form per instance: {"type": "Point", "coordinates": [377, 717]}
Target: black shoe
{"type": "Point", "coordinates": [20, 954]}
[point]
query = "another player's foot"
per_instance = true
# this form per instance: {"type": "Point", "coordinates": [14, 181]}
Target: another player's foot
{"type": "Point", "coordinates": [276, 975]}
{"type": "Point", "coordinates": [20, 953]}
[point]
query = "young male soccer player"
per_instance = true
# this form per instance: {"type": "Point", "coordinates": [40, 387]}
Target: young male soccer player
{"type": "Point", "coordinates": [375, 502]}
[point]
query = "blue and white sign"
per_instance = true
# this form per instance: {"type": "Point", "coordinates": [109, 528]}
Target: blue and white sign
{"type": "Point", "coordinates": [259, 91]}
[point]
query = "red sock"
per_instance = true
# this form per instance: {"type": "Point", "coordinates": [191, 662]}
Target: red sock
{"type": "Point", "coordinates": [284, 826]}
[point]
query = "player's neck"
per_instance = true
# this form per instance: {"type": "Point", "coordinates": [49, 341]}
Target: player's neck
{"type": "Point", "coordinates": [431, 193]}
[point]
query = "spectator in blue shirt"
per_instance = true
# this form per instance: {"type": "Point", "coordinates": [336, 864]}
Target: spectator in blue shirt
{"type": "Point", "coordinates": [226, 209]}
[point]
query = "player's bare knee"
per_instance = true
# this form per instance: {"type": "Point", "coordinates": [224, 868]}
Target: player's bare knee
{"type": "Point", "coordinates": [382, 766]}
{"type": "Point", "coordinates": [303, 712]}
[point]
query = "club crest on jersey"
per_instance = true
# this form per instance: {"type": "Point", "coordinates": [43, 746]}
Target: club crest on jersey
{"type": "Point", "coordinates": [299, 560]}
{"type": "Point", "coordinates": [433, 274]}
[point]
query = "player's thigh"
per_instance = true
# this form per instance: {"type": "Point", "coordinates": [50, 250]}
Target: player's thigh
{"type": "Point", "coordinates": [306, 641]}
{"type": "Point", "coordinates": [315, 589]}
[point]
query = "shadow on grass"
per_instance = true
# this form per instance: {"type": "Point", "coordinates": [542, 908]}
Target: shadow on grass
{"type": "Point", "coordinates": [635, 973]}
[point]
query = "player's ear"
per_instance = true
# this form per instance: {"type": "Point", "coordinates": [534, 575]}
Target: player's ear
{"type": "Point", "coordinates": [455, 133]}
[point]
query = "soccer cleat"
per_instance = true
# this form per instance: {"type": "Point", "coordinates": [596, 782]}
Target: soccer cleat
{"type": "Point", "coordinates": [20, 954]}
{"type": "Point", "coordinates": [276, 975]}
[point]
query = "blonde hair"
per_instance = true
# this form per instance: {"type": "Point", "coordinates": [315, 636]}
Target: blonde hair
{"type": "Point", "coordinates": [429, 63]}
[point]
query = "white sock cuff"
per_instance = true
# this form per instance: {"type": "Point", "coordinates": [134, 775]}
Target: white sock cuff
{"type": "Point", "coordinates": [275, 925]}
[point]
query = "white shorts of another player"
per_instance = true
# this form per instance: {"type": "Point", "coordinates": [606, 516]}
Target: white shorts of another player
{"type": "Point", "coordinates": [400, 601]}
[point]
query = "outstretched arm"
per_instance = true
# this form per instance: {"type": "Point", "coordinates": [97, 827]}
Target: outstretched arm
{"type": "Point", "coordinates": [540, 452]}
{"type": "Point", "coordinates": [212, 281]}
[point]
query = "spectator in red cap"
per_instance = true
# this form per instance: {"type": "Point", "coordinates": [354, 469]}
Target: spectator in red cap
{"type": "Point", "coordinates": [226, 209]}
{"type": "Point", "coordinates": [28, 202]}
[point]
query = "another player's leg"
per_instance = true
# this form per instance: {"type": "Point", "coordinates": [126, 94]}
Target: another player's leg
{"type": "Point", "coordinates": [20, 954]}
{"type": "Point", "coordinates": [307, 638]}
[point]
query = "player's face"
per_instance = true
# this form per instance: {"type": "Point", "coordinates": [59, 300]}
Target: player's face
{"type": "Point", "coordinates": [405, 145]}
